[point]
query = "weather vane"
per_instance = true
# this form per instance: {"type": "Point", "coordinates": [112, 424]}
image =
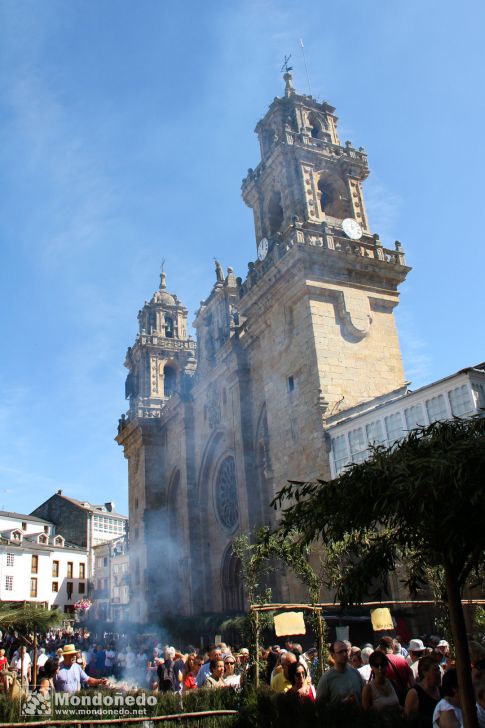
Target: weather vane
{"type": "Point", "coordinates": [285, 67]}
{"type": "Point", "coordinates": [163, 264]}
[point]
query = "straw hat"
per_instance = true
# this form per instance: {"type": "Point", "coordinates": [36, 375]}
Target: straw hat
{"type": "Point", "coordinates": [69, 650]}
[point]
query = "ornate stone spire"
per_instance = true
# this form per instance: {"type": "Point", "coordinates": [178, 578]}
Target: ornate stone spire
{"type": "Point", "coordinates": [289, 88]}
{"type": "Point", "coordinates": [162, 295]}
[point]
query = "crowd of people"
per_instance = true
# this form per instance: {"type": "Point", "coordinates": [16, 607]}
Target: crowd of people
{"type": "Point", "coordinates": [419, 681]}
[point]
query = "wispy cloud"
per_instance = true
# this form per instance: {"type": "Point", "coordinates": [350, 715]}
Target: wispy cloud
{"type": "Point", "coordinates": [383, 207]}
{"type": "Point", "coordinates": [418, 362]}
{"type": "Point", "coordinates": [78, 194]}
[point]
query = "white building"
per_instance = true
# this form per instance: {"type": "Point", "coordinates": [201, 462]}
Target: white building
{"type": "Point", "coordinates": [111, 580]}
{"type": "Point", "coordinates": [82, 522]}
{"type": "Point", "coordinates": [38, 565]}
{"type": "Point", "coordinates": [386, 419]}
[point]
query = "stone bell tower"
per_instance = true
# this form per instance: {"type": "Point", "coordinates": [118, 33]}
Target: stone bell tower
{"type": "Point", "coordinates": [162, 351]}
{"type": "Point", "coordinates": [306, 177]}
{"type": "Point", "coordinates": [320, 296]}
{"type": "Point", "coordinates": [161, 363]}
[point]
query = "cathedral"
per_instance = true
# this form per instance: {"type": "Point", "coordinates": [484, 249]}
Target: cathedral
{"type": "Point", "coordinates": [217, 425]}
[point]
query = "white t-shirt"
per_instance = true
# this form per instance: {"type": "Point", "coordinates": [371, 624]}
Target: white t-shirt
{"type": "Point", "coordinates": [16, 663]}
{"type": "Point", "coordinates": [110, 657]}
{"type": "Point", "coordinates": [233, 681]}
{"type": "Point", "coordinates": [365, 671]}
{"type": "Point", "coordinates": [42, 659]}
{"type": "Point", "coordinates": [414, 669]}
{"type": "Point", "coordinates": [443, 707]}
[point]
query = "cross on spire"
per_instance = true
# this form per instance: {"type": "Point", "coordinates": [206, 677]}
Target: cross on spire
{"type": "Point", "coordinates": [285, 67]}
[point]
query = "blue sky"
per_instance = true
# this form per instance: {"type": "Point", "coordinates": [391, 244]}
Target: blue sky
{"type": "Point", "coordinates": [126, 129]}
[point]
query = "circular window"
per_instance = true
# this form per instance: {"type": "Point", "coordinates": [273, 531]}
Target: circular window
{"type": "Point", "coordinates": [226, 494]}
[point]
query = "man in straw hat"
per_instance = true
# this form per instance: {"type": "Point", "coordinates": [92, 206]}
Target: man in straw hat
{"type": "Point", "coordinates": [71, 677]}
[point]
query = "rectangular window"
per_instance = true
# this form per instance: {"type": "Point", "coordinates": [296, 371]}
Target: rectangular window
{"type": "Point", "coordinates": [69, 588]}
{"type": "Point", "coordinates": [394, 427]}
{"type": "Point", "coordinates": [10, 559]}
{"type": "Point", "coordinates": [375, 433]}
{"type": "Point", "coordinates": [55, 568]}
{"type": "Point", "coordinates": [340, 452]}
{"type": "Point", "coordinates": [291, 384]}
{"type": "Point", "coordinates": [436, 408]}
{"type": "Point", "coordinates": [461, 401]}
{"type": "Point", "coordinates": [82, 571]}
{"type": "Point", "coordinates": [82, 587]}
{"type": "Point", "coordinates": [478, 395]}
{"type": "Point", "coordinates": [55, 586]}
{"type": "Point", "coordinates": [414, 416]}
{"type": "Point", "coordinates": [35, 564]}
{"type": "Point", "coordinates": [358, 445]}
{"type": "Point", "coordinates": [105, 561]}
{"type": "Point", "coordinates": [46, 529]}
{"type": "Point", "coordinates": [9, 583]}
{"type": "Point", "coordinates": [70, 569]}
{"type": "Point", "coordinates": [69, 609]}
{"type": "Point", "coordinates": [24, 526]}
{"type": "Point", "coordinates": [33, 587]}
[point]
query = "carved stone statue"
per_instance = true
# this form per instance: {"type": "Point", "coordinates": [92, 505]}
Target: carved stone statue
{"type": "Point", "coordinates": [219, 272]}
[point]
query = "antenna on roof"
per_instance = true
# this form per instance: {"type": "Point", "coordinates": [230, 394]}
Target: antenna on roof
{"type": "Point", "coordinates": [306, 69]}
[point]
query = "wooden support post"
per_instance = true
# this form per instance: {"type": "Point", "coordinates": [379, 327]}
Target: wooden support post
{"type": "Point", "coordinates": [256, 644]}
{"type": "Point", "coordinates": [320, 639]}
{"type": "Point", "coordinates": [34, 676]}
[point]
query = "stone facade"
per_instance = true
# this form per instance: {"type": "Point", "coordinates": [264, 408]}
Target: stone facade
{"type": "Point", "coordinates": [214, 430]}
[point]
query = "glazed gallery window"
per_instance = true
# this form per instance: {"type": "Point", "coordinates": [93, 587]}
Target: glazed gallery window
{"type": "Point", "coordinates": [461, 401]}
{"type": "Point", "coordinates": [340, 452]}
{"type": "Point", "coordinates": [436, 408]}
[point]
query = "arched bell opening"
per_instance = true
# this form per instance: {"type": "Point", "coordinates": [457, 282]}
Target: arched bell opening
{"type": "Point", "coordinates": [169, 380]}
{"type": "Point", "coordinates": [275, 213]}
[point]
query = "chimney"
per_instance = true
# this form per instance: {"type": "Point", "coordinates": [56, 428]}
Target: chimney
{"type": "Point", "coordinates": [59, 492]}
{"type": "Point", "coordinates": [110, 506]}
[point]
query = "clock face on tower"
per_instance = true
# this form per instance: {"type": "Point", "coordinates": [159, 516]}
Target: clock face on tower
{"type": "Point", "coordinates": [352, 228]}
{"type": "Point", "coordinates": [263, 246]}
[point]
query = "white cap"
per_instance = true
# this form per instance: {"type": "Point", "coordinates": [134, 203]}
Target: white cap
{"type": "Point", "coordinates": [443, 643]}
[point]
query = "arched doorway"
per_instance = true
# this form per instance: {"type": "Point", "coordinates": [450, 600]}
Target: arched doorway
{"type": "Point", "coordinates": [231, 582]}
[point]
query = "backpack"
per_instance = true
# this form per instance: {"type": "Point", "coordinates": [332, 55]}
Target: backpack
{"type": "Point", "coordinates": [166, 677]}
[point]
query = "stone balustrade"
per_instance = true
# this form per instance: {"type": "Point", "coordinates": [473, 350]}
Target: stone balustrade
{"type": "Point", "coordinates": [367, 247]}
